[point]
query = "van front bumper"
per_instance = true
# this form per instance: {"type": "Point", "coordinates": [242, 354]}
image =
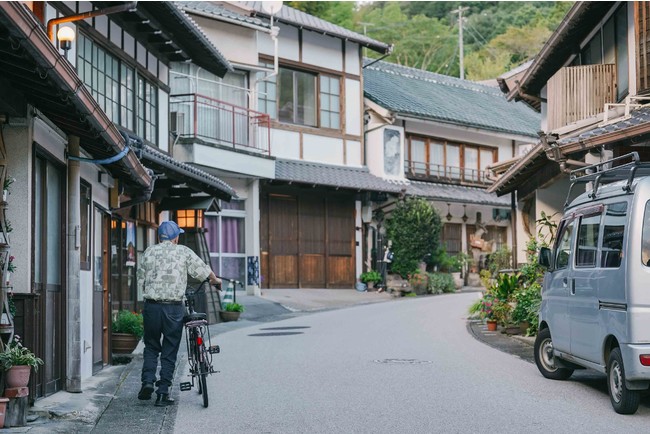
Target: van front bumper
{"type": "Point", "coordinates": [634, 370]}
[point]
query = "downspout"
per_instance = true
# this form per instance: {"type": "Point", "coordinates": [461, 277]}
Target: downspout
{"type": "Point", "coordinates": [73, 368]}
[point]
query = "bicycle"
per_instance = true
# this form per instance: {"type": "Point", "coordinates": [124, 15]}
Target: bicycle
{"type": "Point", "coordinates": [199, 349]}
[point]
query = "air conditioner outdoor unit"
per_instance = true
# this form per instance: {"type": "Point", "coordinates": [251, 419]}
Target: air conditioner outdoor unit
{"type": "Point", "coordinates": [177, 123]}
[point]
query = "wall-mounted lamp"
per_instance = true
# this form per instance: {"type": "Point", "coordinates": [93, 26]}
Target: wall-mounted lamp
{"type": "Point", "coordinates": [464, 213]}
{"type": "Point", "coordinates": [190, 218]}
{"type": "Point", "coordinates": [448, 216]}
{"type": "Point", "coordinates": [65, 35]}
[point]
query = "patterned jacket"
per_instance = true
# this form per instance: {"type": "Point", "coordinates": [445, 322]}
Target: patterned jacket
{"type": "Point", "coordinates": [163, 270]}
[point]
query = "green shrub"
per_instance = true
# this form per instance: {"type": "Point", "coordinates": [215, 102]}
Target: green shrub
{"type": "Point", "coordinates": [414, 229]}
{"type": "Point", "coordinates": [233, 307]}
{"type": "Point", "coordinates": [527, 309]}
{"type": "Point", "coordinates": [128, 322]}
{"type": "Point", "coordinates": [500, 260]}
{"type": "Point", "coordinates": [440, 283]}
{"type": "Point", "coordinates": [505, 286]}
{"type": "Point", "coordinates": [370, 276]}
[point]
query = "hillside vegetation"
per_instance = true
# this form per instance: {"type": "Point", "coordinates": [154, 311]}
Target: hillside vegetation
{"type": "Point", "coordinates": [497, 36]}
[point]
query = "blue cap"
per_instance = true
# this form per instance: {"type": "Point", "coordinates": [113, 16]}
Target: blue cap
{"type": "Point", "coordinates": [168, 231]}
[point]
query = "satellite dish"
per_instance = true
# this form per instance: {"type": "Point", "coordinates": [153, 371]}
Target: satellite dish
{"type": "Point", "coordinates": [272, 7]}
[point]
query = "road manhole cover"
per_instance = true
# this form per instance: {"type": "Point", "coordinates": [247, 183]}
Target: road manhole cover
{"type": "Point", "coordinates": [286, 328]}
{"type": "Point", "coordinates": [403, 362]}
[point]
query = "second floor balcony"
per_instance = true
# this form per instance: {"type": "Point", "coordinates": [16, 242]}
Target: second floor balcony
{"type": "Point", "coordinates": [579, 92]}
{"type": "Point", "coordinates": [195, 116]}
{"type": "Point", "coordinates": [445, 174]}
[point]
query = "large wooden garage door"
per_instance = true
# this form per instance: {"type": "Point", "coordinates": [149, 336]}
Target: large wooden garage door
{"type": "Point", "coordinates": [307, 241]}
{"type": "Point", "coordinates": [283, 242]}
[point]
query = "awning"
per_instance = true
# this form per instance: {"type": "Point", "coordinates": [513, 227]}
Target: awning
{"type": "Point", "coordinates": [172, 173]}
{"type": "Point", "coordinates": [30, 64]}
{"type": "Point", "coordinates": [456, 194]}
{"type": "Point", "coordinates": [205, 203]}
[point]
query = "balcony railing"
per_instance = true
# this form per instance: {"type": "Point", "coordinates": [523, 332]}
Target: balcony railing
{"type": "Point", "coordinates": [579, 92]}
{"type": "Point", "coordinates": [447, 174]}
{"type": "Point", "coordinates": [219, 122]}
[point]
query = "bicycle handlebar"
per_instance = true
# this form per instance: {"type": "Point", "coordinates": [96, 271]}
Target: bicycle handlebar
{"type": "Point", "coordinates": [233, 281]}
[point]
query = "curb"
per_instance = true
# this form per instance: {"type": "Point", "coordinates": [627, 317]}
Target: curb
{"type": "Point", "coordinates": [520, 346]}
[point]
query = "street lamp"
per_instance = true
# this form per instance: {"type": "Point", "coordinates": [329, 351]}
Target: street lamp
{"type": "Point", "coordinates": [65, 35]}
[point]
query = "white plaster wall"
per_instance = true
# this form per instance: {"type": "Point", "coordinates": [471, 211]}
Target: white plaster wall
{"type": "Point", "coordinates": [327, 150]}
{"type": "Point", "coordinates": [358, 234]}
{"type": "Point", "coordinates": [353, 153]}
{"type": "Point", "coordinates": [285, 144]}
{"type": "Point", "coordinates": [237, 43]}
{"type": "Point", "coordinates": [322, 50]}
{"type": "Point", "coordinates": [288, 47]}
{"type": "Point", "coordinates": [352, 58]}
{"type": "Point", "coordinates": [219, 158]}
{"type": "Point", "coordinates": [353, 107]}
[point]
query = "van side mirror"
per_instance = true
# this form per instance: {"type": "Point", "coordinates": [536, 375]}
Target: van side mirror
{"type": "Point", "coordinates": [544, 258]}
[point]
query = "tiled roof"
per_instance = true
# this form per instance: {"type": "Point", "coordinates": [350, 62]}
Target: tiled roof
{"type": "Point", "coordinates": [456, 193]}
{"type": "Point", "coordinates": [637, 117]}
{"type": "Point", "coordinates": [190, 174]}
{"type": "Point", "coordinates": [215, 10]}
{"type": "Point", "coordinates": [357, 178]}
{"type": "Point", "coordinates": [436, 97]}
{"type": "Point", "coordinates": [301, 19]}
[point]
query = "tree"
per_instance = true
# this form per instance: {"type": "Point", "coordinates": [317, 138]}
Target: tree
{"type": "Point", "coordinates": [414, 229]}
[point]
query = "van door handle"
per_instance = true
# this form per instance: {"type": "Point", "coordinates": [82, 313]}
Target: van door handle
{"type": "Point", "coordinates": [565, 282]}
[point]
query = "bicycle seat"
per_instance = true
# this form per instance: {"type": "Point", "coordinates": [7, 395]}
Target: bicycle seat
{"type": "Point", "coordinates": [194, 317]}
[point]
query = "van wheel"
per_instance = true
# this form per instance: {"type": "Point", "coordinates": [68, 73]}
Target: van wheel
{"type": "Point", "coordinates": [624, 400]}
{"type": "Point", "coordinates": [545, 360]}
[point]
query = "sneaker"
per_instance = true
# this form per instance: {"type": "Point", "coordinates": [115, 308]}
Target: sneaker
{"type": "Point", "coordinates": [163, 400]}
{"type": "Point", "coordinates": [145, 391]}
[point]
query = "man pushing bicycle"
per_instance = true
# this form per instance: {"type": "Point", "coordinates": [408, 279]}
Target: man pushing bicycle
{"type": "Point", "coordinates": [162, 273]}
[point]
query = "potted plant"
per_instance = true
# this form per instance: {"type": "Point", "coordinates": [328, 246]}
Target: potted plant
{"type": "Point", "coordinates": [17, 361]}
{"type": "Point", "coordinates": [370, 277]}
{"type": "Point", "coordinates": [231, 312]}
{"type": "Point", "coordinates": [486, 311]}
{"type": "Point", "coordinates": [127, 330]}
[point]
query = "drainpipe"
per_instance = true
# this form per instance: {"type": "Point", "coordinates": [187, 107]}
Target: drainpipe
{"type": "Point", "coordinates": [513, 223]}
{"type": "Point", "coordinates": [73, 368]}
{"type": "Point", "coordinates": [78, 17]}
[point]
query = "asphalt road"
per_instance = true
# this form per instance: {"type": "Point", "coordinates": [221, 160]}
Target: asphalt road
{"type": "Point", "coordinates": [407, 366]}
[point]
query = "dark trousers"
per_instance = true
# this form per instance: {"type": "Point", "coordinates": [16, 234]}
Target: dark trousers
{"type": "Point", "coordinates": [166, 321]}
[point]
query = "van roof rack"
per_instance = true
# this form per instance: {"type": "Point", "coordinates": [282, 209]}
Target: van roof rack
{"type": "Point", "coordinates": [609, 171]}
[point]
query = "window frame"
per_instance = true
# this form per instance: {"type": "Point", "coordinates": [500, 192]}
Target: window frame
{"type": "Point", "coordinates": [85, 225]}
{"type": "Point", "coordinates": [451, 172]}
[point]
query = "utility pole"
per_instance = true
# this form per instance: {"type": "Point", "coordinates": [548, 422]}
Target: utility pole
{"type": "Point", "coordinates": [460, 11]}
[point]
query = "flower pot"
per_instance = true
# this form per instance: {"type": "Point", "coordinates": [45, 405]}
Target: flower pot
{"type": "Point", "coordinates": [124, 343]}
{"type": "Point", "coordinates": [229, 316]}
{"type": "Point", "coordinates": [458, 280]}
{"type": "Point", "coordinates": [3, 410]}
{"type": "Point", "coordinates": [491, 325]}
{"type": "Point", "coordinates": [17, 376]}
{"type": "Point", "coordinates": [361, 287]}
{"type": "Point", "coordinates": [523, 327]}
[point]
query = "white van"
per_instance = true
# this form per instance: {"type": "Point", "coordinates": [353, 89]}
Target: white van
{"type": "Point", "coordinates": [595, 310]}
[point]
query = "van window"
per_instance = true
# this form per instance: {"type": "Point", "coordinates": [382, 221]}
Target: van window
{"type": "Point", "coordinates": [588, 241]}
{"type": "Point", "coordinates": [564, 246]}
{"type": "Point", "coordinates": [645, 236]}
{"type": "Point", "coordinates": [613, 231]}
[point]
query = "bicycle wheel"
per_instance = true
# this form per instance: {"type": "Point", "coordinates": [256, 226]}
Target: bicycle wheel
{"type": "Point", "coordinates": [198, 364]}
{"type": "Point", "coordinates": [203, 381]}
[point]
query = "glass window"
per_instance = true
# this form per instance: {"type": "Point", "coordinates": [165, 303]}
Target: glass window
{"type": "Point", "coordinates": [453, 161]}
{"type": "Point", "coordinates": [297, 97]}
{"type": "Point", "coordinates": [588, 241]}
{"type": "Point", "coordinates": [563, 251]}
{"type": "Point", "coordinates": [226, 239]}
{"type": "Point", "coordinates": [471, 163]}
{"type": "Point", "coordinates": [267, 93]}
{"type": "Point", "coordinates": [613, 232]}
{"type": "Point", "coordinates": [645, 236]}
{"type": "Point", "coordinates": [418, 156]}
{"type": "Point", "coordinates": [330, 110]}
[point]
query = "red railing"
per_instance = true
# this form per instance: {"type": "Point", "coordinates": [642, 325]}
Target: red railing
{"type": "Point", "coordinates": [447, 174]}
{"type": "Point", "coordinates": [219, 122]}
